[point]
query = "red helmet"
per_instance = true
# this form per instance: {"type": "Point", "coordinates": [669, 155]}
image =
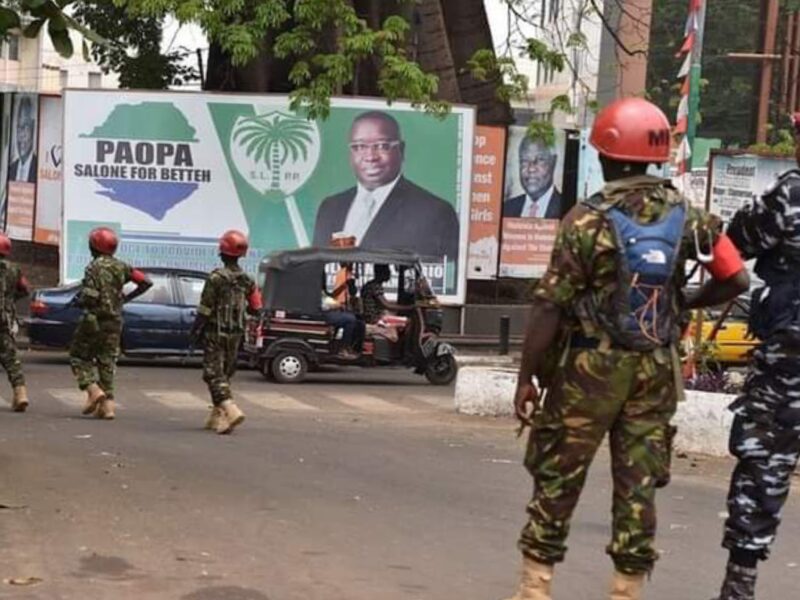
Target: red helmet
{"type": "Point", "coordinates": [5, 245]}
{"type": "Point", "coordinates": [103, 240]}
{"type": "Point", "coordinates": [233, 243]}
{"type": "Point", "coordinates": [632, 130]}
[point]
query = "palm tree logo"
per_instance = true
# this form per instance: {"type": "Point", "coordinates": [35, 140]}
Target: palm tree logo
{"type": "Point", "coordinates": [276, 153]}
{"type": "Point", "coordinates": [278, 146]}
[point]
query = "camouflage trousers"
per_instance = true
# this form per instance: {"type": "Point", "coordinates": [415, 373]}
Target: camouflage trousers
{"type": "Point", "coordinates": [94, 352]}
{"type": "Point", "coordinates": [9, 358]}
{"type": "Point", "coordinates": [219, 364]}
{"type": "Point", "coordinates": [765, 439]}
{"type": "Point", "coordinates": [632, 397]}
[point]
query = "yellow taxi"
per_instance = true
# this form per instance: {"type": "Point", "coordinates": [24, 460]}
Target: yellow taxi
{"type": "Point", "coordinates": [731, 346]}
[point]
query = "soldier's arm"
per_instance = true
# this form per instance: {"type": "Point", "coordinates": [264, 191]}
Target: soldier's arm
{"type": "Point", "coordinates": [254, 300]}
{"type": "Point", "coordinates": [760, 226]}
{"type": "Point", "coordinates": [206, 307]}
{"type": "Point", "coordinates": [142, 282]}
{"type": "Point", "coordinates": [23, 287]}
{"type": "Point", "coordinates": [557, 290]}
{"type": "Point", "coordinates": [729, 277]}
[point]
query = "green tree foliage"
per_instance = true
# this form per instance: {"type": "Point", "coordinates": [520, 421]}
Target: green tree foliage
{"type": "Point", "coordinates": [136, 56]}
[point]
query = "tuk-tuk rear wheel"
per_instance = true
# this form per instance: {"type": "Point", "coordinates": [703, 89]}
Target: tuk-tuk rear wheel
{"type": "Point", "coordinates": [441, 370]}
{"type": "Point", "coordinates": [289, 367]}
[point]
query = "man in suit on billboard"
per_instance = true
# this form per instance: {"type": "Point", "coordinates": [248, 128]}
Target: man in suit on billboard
{"type": "Point", "coordinates": [385, 210]}
{"type": "Point", "coordinates": [537, 165]}
{"type": "Point", "coordinates": [24, 167]}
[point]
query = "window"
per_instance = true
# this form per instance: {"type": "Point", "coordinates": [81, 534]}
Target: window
{"type": "Point", "coordinates": [191, 289]}
{"type": "Point", "coordinates": [95, 80]}
{"type": "Point", "coordinates": [160, 293]}
{"type": "Point", "coordinates": [13, 47]}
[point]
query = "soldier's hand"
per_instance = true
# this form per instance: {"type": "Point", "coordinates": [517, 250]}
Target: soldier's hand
{"type": "Point", "coordinates": [526, 402]}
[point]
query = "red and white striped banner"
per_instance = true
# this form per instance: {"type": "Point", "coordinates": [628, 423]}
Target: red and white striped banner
{"type": "Point", "coordinates": [685, 53]}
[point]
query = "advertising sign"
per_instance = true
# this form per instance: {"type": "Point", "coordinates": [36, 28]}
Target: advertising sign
{"type": "Point", "coordinates": [488, 162]}
{"type": "Point", "coordinates": [172, 171]}
{"type": "Point", "coordinates": [533, 204]}
{"type": "Point", "coordinates": [22, 167]}
{"type": "Point", "coordinates": [737, 180]}
{"type": "Point", "coordinates": [48, 189]}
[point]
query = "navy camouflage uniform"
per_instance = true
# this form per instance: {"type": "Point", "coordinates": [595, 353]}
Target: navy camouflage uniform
{"type": "Point", "coordinates": [765, 437]}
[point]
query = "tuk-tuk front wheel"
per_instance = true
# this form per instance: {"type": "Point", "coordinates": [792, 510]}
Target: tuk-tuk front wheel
{"type": "Point", "coordinates": [441, 370]}
{"type": "Point", "coordinates": [289, 367]}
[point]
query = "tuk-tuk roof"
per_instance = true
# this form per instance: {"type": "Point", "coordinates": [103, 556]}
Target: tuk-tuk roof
{"type": "Point", "coordinates": [288, 259]}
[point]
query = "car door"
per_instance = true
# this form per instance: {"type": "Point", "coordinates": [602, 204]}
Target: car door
{"type": "Point", "coordinates": [190, 288]}
{"type": "Point", "coordinates": [153, 320]}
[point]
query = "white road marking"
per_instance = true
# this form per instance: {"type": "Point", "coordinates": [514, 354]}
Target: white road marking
{"type": "Point", "coordinates": [276, 401]}
{"type": "Point", "coordinates": [367, 403]}
{"type": "Point", "coordinates": [179, 400]}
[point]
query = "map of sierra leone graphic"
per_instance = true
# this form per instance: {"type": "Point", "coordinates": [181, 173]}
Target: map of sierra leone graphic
{"type": "Point", "coordinates": [146, 122]}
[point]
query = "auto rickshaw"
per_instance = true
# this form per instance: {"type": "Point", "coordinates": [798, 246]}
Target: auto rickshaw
{"type": "Point", "coordinates": [291, 336]}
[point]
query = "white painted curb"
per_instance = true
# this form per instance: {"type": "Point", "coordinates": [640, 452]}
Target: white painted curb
{"type": "Point", "coordinates": [703, 420]}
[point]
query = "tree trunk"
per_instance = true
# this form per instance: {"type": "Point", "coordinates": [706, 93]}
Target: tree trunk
{"type": "Point", "coordinates": [433, 48]}
{"type": "Point", "coordinates": [468, 31]}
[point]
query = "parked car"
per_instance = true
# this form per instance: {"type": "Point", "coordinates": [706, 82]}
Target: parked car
{"type": "Point", "coordinates": [732, 346]}
{"type": "Point", "coordinates": [155, 324]}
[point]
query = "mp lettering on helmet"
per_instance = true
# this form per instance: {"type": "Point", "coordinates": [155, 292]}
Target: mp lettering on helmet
{"type": "Point", "coordinates": [659, 137]}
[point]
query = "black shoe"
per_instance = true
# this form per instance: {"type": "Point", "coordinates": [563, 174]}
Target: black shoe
{"type": "Point", "coordinates": [739, 584]}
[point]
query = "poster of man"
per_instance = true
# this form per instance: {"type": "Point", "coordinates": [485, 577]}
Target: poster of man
{"type": "Point", "coordinates": [533, 176]}
{"type": "Point", "coordinates": [533, 203]}
{"type": "Point", "coordinates": [23, 166]}
{"type": "Point", "coordinates": [385, 209]}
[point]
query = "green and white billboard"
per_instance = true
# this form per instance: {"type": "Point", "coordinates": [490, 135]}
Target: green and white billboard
{"type": "Point", "coordinates": [172, 171]}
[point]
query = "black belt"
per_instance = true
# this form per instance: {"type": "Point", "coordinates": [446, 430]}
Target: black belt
{"type": "Point", "coordinates": [578, 341]}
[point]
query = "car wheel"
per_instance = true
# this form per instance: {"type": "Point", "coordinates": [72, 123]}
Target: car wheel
{"type": "Point", "coordinates": [442, 370]}
{"type": "Point", "coordinates": [289, 367]}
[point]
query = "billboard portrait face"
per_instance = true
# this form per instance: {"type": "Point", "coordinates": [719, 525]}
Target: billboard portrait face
{"type": "Point", "coordinates": [23, 131]}
{"type": "Point", "coordinates": [376, 149]}
{"type": "Point", "coordinates": [537, 165]}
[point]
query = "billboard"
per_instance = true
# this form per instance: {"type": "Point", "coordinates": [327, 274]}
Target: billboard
{"type": "Point", "coordinates": [737, 180]}
{"type": "Point", "coordinates": [22, 167]}
{"type": "Point", "coordinates": [486, 207]}
{"type": "Point", "coordinates": [172, 171]}
{"type": "Point", "coordinates": [532, 205]}
{"type": "Point", "coordinates": [47, 224]}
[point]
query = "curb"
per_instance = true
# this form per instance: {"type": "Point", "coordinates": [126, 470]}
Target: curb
{"type": "Point", "coordinates": [703, 419]}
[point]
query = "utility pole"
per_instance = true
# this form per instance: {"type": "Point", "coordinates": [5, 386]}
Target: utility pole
{"type": "Point", "coordinates": [200, 67]}
{"type": "Point", "coordinates": [695, 76]}
{"type": "Point", "coordinates": [767, 57]}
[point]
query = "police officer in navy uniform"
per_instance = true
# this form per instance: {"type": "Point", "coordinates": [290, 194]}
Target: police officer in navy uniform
{"type": "Point", "coordinates": [765, 437]}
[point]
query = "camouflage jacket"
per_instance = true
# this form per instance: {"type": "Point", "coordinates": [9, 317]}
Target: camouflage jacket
{"type": "Point", "coordinates": [585, 257]}
{"type": "Point", "coordinates": [13, 286]}
{"type": "Point", "coordinates": [101, 292]}
{"type": "Point", "coordinates": [224, 300]}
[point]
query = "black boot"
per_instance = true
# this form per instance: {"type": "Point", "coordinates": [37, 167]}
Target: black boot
{"type": "Point", "coordinates": [739, 584]}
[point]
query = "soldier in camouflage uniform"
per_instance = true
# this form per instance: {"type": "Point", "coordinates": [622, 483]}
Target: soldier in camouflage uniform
{"type": "Point", "coordinates": [96, 342]}
{"type": "Point", "coordinates": [765, 437]}
{"type": "Point", "coordinates": [13, 286]}
{"type": "Point", "coordinates": [229, 293]}
{"type": "Point", "coordinates": [600, 378]}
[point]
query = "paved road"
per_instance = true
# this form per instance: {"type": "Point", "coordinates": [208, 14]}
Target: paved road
{"type": "Point", "coordinates": [354, 486]}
